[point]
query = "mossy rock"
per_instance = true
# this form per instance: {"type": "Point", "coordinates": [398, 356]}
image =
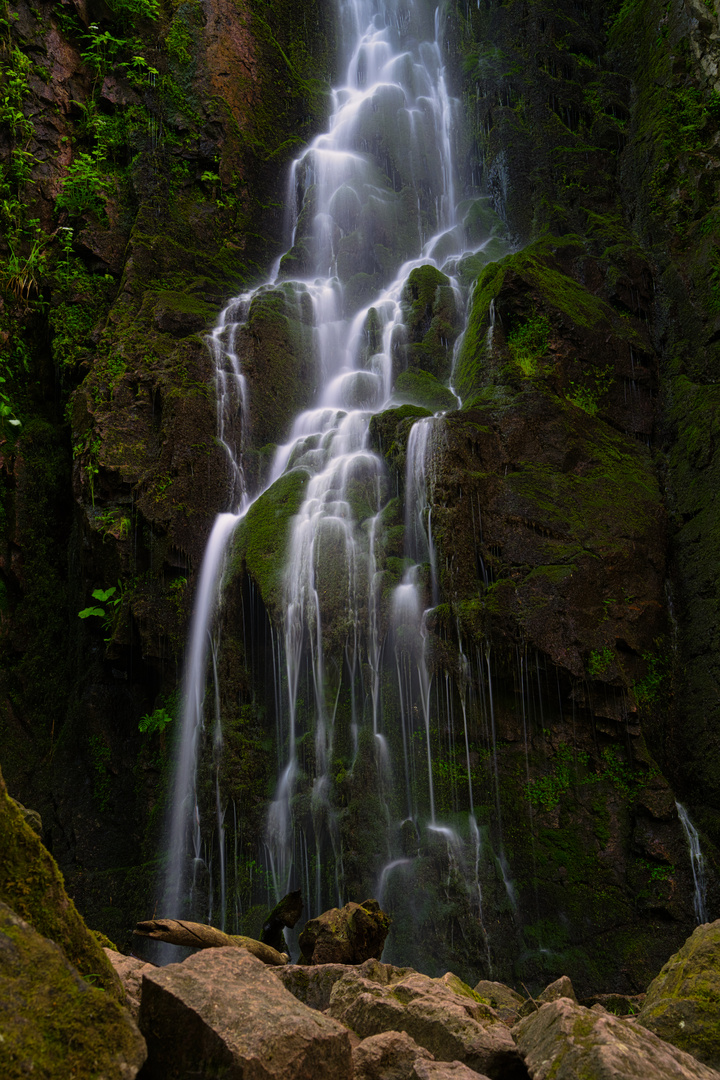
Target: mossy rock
{"type": "Point", "coordinates": [261, 537]}
{"type": "Point", "coordinates": [32, 885]}
{"type": "Point", "coordinates": [683, 1003]}
{"type": "Point", "coordinates": [54, 1023]}
{"type": "Point", "coordinates": [423, 389]}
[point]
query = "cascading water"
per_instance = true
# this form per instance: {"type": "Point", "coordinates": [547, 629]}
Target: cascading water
{"type": "Point", "coordinates": [697, 861]}
{"type": "Point", "coordinates": [372, 217]}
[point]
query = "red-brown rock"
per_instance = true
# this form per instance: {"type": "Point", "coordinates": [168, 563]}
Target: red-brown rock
{"type": "Point", "coordinates": [222, 1013]}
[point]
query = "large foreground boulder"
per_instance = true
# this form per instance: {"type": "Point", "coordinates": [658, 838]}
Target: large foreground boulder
{"type": "Point", "coordinates": [223, 1013]}
{"type": "Point", "coordinates": [452, 1026]}
{"type": "Point", "coordinates": [348, 935]}
{"type": "Point", "coordinates": [565, 1041]}
{"type": "Point", "coordinates": [683, 1003]}
{"type": "Point", "coordinates": [54, 1024]}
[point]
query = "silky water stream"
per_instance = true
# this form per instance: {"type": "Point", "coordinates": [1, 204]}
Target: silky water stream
{"type": "Point", "coordinates": [373, 207]}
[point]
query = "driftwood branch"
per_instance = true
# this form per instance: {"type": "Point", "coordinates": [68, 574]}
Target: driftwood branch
{"type": "Point", "coordinates": [198, 936]}
{"type": "Point", "coordinates": [286, 913]}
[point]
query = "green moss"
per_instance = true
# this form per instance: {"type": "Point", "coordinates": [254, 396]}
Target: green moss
{"type": "Point", "coordinates": [54, 1021]}
{"type": "Point", "coordinates": [261, 537]}
{"type": "Point", "coordinates": [423, 389]}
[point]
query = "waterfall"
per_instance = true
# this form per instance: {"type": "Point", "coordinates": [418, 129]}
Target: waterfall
{"type": "Point", "coordinates": [697, 862]}
{"type": "Point", "coordinates": [372, 211]}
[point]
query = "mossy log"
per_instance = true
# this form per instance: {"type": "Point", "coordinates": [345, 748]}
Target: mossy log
{"type": "Point", "coordinates": [198, 936]}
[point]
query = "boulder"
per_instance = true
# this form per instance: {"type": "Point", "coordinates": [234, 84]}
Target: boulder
{"type": "Point", "coordinates": [54, 1024]}
{"type": "Point", "coordinates": [223, 1012]}
{"type": "Point", "coordinates": [130, 971]}
{"type": "Point", "coordinates": [566, 1041]}
{"type": "Point", "coordinates": [682, 1004]}
{"type": "Point", "coordinates": [503, 999]}
{"type": "Point", "coordinates": [393, 1055]}
{"type": "Point", "coordinates": [452, 1026]}
{"type": "Point", "coordinates": [347, 935]}
{"type": "Point", "coordinates": [313, 984]}
{"type": "Point", "coordinates": [390, 1055]}
{"type": "Point", "coordinates": [561, 988]}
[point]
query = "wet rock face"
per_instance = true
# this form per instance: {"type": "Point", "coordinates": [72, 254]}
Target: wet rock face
{"type": "Point", "coordinates": [54, 1023]}
{"type": "Point", "coordinates": [222, 1010]}
{"type": "Point", "coordinates": [188, 125]}
{"type": "Point", "coordinates": [681, 1003]}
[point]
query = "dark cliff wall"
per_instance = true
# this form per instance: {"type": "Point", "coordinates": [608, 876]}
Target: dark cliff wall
{"type": "Point", "coordinates": [142, 162]}
{"type": "Point", "coordinates": [142, 154]}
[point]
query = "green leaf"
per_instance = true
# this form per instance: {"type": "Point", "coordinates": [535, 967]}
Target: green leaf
{"type": "Point", "coordinates": [88, 611]}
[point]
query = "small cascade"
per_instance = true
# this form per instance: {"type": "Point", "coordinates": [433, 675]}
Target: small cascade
{"type": "Point", "coordinates": [697, 861]}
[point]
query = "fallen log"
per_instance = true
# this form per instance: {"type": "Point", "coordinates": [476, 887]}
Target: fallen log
{"type": "Point", "coordinates": [198, 936]}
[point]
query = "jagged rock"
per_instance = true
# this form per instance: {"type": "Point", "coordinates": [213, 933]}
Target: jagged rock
{"type": "Point", "coordinates": [566, 1041]}
{"type": "Point", "coordinates": [348, 935]}
{"type": "Point", "coordinates": [451, 1026]}
{"type": "Point", "coordinates": [682, 1003]}
{"type": "Point", "coordinates": [311, 984]}
{"type": "Point", "coordinates": [503, 999]}
{"type": "Point", "coordinates": [393, 1055]}
{"type": "Point", "coordinates": [130, 971]}
{"type": "Point", "coordinates": [222, 1012]}
{"type": "Point", "coordinates": [54, 1024]}
{"type": "Point", "coordinates": [561, 988]}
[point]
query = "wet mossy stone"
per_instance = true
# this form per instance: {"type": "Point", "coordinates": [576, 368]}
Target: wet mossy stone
{"type": "Point", "coordinates": [683, 1003]}
{"type": "Point", "coordinates": [536, 268]}
{"type": "Point", "coordinates": [390, 429]}
{"type": "Point", "coordinates": [431, 320]}
{"type": "Point", "coordinates": [54, 1023]}
{"type": "Point", "coordinates": [32, 885]}
{"type": "Point", "coordinates": [422, 388]}
{"type": "Point", "coordinates": [260, 541]}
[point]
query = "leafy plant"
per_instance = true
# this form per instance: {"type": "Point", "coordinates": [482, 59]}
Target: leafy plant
{"type": "Point", "coordinates": [648, 690]}
{"type": "Point", "coordinates": [587, 395]}
{"type": "Point", "coordinates": [599, 661]}
{"type": "Point", "coordinates": [528, 343]}
{"type": "Point", "coordinates": [154, 722]}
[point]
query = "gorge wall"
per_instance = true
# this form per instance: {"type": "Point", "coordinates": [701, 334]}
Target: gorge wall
{"type": "Point", "coordinates": [572, 645]}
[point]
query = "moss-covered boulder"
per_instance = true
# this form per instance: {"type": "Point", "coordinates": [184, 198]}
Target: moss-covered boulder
{"type": "Point", "coordinates": [31, 884]}
{"type": "Point", "coordinates": [683, 1003]}
{"type": "Point", "coordinates": [54, 1023]}
{"type": "Point", "coordinates": [348, 935]}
